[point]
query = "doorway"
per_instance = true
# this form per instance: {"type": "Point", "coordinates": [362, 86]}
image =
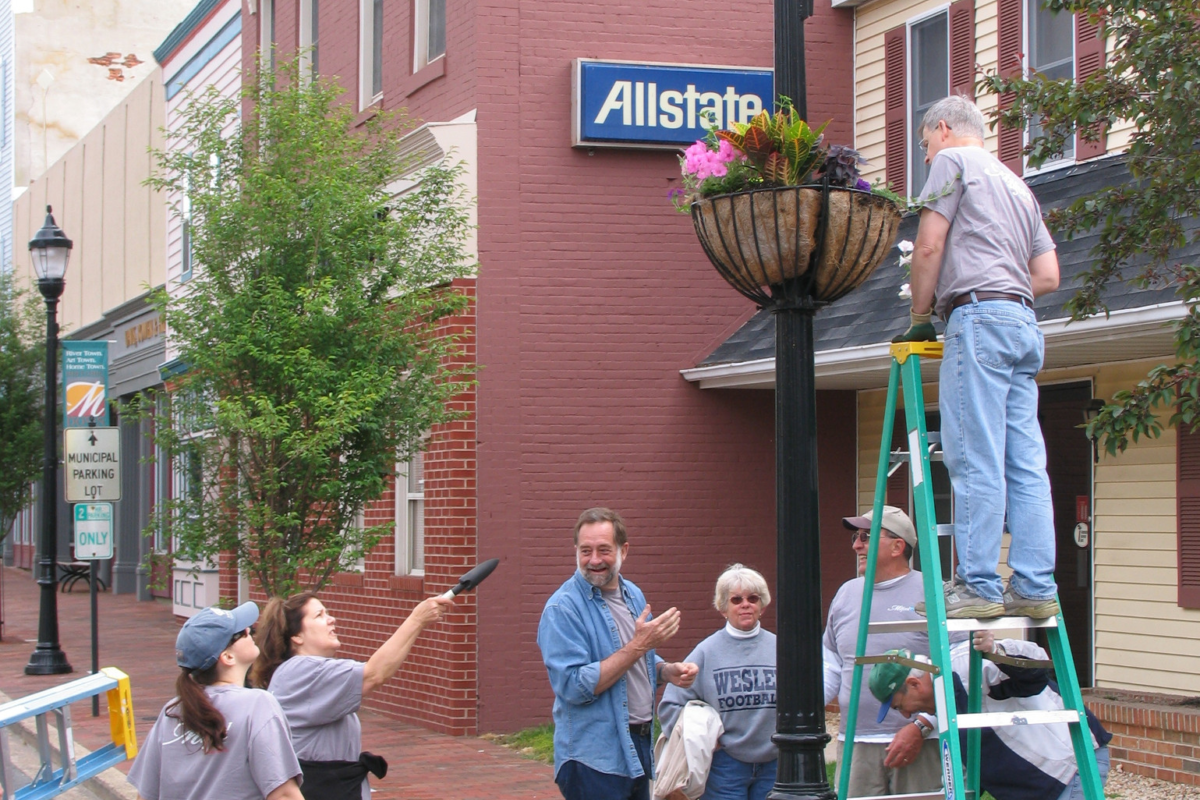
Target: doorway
{"type": "Point", "coordinates": [1069, 462]}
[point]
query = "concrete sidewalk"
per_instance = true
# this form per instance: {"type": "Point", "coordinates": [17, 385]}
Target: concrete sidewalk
{"type": "Point", "coordinates": [139, 638]}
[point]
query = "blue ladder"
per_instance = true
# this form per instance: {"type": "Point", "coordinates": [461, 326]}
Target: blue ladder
{"type": "Point", "coordinates": [51, 782]}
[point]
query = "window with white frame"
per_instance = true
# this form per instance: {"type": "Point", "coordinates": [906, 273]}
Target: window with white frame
{"type": "Point", "coordinates": [430, 34]}
{"type": "Point", "coordinates": [162, 543]}
{"type": "Point", "coordinates": [1051, 49]}
{"type": "Point", "coordinates": [370, 48]}
{"type": "Point", "coordinates": [410, 516]}
{"type": "Point", "coordinates": [185, 234]}
{"type": "Point", "coordinates": [310, 38]}
{"type": "Point", "coordinates": [929, 81]}
{"type": "Point", "coordinates": [267, 45]}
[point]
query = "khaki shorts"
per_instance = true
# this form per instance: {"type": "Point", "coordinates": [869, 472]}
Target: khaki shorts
{"type": "Point", "coordinates": [870, 778]}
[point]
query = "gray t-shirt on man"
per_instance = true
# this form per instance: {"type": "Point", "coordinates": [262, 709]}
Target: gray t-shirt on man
{"type": "Point", "coordinates": [996, 225]}
{"type": "Point", "coordinates": [637, 680]}
{"type": "Point", "coordinates": [320, 697]}
{"type": "Point", "coordinates": [891, 600]}
{"type": "Point", "coordinates": [257, 759]}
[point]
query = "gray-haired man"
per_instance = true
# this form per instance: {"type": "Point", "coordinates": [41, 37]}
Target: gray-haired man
{"type": "Point", "coordinates": [985, 253]}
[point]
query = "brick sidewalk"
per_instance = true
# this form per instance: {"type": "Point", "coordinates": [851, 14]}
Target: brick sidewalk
{"type": "Point", "coordinates": [139, 638]}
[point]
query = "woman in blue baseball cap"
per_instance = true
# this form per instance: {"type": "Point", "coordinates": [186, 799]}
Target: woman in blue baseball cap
{"type": "Point", "coordinates": [218, 740]}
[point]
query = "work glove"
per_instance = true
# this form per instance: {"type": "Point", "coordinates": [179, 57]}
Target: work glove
{"type": "Point", "coordinates": [920, 329]}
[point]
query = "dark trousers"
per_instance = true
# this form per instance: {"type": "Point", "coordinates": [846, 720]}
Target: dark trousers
{"type": "Point", "coordinates": [579, 782]}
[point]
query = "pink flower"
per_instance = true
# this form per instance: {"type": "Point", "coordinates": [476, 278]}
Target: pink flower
{"type": "Point", "coordinates": [704, 163]}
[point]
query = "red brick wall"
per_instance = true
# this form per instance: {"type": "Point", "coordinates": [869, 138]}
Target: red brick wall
{"type": "Point", "coordinates": [593, 294]}
{"type": "Point", "coordinates": [1150, 737]}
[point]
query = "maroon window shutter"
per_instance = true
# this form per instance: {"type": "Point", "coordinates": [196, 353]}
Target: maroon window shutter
{"type": "Point", "coordinates": [895, 104]}
{"type": "Point", "coordinates": [962, 48]}
{"type": "Point", "coordinates": [1008, 21]}
{"type": "Point", "coordinates": [1187, 493]}
{"type": "Point", "coordinates": [1089, 58]}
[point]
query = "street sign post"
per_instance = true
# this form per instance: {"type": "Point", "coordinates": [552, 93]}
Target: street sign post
{"type": "Point", "coordinates": [94, 542]}
{"type": "Point", "coordinates": [93, 462]}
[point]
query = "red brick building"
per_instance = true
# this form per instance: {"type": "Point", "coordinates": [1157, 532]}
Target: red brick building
{"type": "Point", "coordinates": [591, 295]}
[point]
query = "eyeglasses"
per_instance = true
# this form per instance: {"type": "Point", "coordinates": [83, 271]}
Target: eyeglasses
{"type": "Point", "coordinates": [737, 599]}
{"type": "Point", "coordinates": [865, 536]}
{"type": "Point", "coordinates": [924, 143]}
{"type": "Point", "coordinates": [243, 634]}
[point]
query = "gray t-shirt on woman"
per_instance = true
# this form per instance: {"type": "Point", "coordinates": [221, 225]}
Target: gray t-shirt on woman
{"type": "Point", "coordinates": [257, 758]}
{"type": "Point", "coordinates": [320, 697]}
{"type": "Point", "coordinates": [995, 225]}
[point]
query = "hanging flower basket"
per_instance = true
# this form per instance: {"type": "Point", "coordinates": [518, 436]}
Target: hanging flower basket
{"type": "Point", "coordinates": [823, 240]}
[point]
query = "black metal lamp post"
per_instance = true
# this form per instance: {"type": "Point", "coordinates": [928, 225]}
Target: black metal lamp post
{"type": "Point", "coordinates": [800, 708]}
{"type": "Point", "coordinates": [50, 249]}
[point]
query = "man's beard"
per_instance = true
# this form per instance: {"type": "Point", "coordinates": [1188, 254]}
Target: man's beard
{"type": "Point", "coordinates": [602, 579]}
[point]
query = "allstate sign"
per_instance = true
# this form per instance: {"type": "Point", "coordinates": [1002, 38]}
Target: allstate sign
{"type": "Point", "coordinates": [619, 104]}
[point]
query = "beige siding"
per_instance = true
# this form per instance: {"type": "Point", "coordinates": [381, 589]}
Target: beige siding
{"type": "Point", "coordinates": [1144, 640]}
{"type": "Point", "coordinates": [113, 220]}
{"type": "Point", "coordinates": [872, 20]}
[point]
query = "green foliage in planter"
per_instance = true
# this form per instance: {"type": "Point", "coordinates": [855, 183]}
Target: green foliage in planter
{"type": "Point", "coordinates": [783, 148]}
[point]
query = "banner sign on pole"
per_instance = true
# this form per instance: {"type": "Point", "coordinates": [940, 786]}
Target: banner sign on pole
{"type": "Point", "coordinates": [85, 384]}
{"type": "Point", "coordinates": [93, 531]}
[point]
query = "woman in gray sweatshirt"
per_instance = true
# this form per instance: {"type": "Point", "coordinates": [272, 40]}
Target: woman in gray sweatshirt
{"type": "Point", "coordinates": [737, 678]}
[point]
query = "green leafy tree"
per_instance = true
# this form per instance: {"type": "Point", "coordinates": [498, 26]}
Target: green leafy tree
{"type": "Point", "coordinates": [22, 396]}
{"type": "Point", "coordinates": [309, 343]}
{"type": "Point", "coordinates": [1151, 80]}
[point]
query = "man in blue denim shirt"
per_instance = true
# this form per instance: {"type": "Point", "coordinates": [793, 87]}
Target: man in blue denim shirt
{"type": "Point", "coordinates": [983, 249]}
{"type": "Point", "coordinates": [597, 640]}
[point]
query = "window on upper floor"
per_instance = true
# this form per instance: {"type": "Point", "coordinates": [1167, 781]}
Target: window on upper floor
{"type": "Point", "coordinates": [185, 236]}
{"type": "Point", "coordinates": [1051, 49]}
{"type": "Point", "coordinates": [370, 48]}
{"type": "Point", "coordinates": [929, 81]}
{"type": "Point", "coordinates": [267, 31]}
{"type": "Point", "coordinates": [927, 58]}
{"type": "Point", "coordinates": [430, 34]}
{"type": "Point", "coordinates": [310, 37]}
{"type": "Point", "coordinates": [1058, 45]}
{"type": "Point", "coordinates": [410, 516]}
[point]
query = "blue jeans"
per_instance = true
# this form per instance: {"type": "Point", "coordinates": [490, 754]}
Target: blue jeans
{"type": "Point", "coordinates": [1074, 790]}
{"type": "Point", "coordinates": [578, 781]}
{"type": "Point", "coordinates": [730, 779]}
{"type": "Point", "coordinates": [993, 447]}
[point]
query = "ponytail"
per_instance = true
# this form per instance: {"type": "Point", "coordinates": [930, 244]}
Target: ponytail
{"type": "Point", "coordinates": [277, 624]}
{"type": "Point", "coordinates": [195, 711]}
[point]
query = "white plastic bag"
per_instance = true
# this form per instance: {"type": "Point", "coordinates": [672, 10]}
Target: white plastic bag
{"type": "Point", "coordinates": [682, 761]}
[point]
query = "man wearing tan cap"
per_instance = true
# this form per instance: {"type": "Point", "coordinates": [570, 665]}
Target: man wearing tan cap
{"type": "Point", "coordinates": [895, 755]}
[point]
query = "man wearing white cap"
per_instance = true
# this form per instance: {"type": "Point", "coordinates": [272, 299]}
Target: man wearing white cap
{"type": "Point", "coordinates": [894, 755]}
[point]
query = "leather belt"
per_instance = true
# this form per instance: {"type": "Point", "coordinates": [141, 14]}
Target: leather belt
{"type": "Point", "coordinates": [965, 298]}
{"type": "Point", "coordinates": [641, 729]}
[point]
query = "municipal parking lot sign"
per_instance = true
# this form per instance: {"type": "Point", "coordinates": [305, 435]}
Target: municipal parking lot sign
{"type": "Point", "coordinates": [93, 531]}
{"type": "Point", "coordinates": [93, 464]}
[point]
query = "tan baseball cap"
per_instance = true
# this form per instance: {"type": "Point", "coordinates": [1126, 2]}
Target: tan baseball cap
{"type": "Point", "coordinates": [894, 521]}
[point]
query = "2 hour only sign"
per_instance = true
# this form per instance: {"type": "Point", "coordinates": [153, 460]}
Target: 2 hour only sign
{"type": "Point", "coordinates": [93, 531]}
{"type": "Point", "coordinates": [93, 464]}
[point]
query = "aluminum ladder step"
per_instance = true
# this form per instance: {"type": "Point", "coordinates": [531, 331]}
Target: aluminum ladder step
{"type": "Point", "coordinates": [1004, 719]}
{"type": "Point", "coordinates": [960, 625]}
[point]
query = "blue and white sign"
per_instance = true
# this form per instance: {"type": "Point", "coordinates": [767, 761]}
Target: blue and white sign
{"type": "Point", "coordinates": [620, 104]}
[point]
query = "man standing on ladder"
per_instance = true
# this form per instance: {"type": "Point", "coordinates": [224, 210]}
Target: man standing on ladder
{"type": "Point", "coordinates": [983, 251]}
{"type": "Point", "coordinates": [893, 756]}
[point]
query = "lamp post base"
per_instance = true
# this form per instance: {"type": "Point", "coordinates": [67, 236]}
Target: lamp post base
{"type": "Point", "coordinates": [47, 661]}
{"type": "Point", "coordinates": [801, 774]}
